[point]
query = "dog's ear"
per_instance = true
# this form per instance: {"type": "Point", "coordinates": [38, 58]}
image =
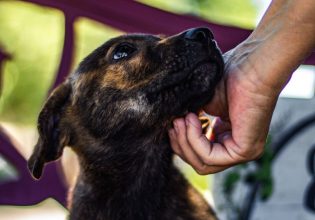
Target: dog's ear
{"type": "Point", "coordinates": [52, 136]}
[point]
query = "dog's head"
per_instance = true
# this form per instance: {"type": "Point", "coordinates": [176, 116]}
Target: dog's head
{"type": "Point", "coordinates": [128, 85]}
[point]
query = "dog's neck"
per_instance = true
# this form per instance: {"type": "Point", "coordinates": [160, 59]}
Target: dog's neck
{"type": "Point", "coordinates": [132, 175]}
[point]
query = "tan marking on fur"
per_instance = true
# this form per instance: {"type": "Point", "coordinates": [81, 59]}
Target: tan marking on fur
{"type": "Point", "coordinates": [165, 41]}
{"type": "Point", "coordinates": [136, 61]}
{"type": "Point", "coordinates": [200, 205]}
{"type": "Point", "coordinates": [117, 77]}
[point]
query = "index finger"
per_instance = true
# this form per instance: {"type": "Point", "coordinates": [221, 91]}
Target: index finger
{"type": "Point", "coordinates": [214, 154]}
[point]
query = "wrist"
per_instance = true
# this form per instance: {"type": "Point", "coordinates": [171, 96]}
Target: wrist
{"type": "Point", "coordinates": [251, 62]}
{"type": "Point", "coordinates": [275, 50]}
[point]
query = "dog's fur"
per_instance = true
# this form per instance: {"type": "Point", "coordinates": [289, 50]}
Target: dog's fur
{"type": "Point", "coordinates": [114, 112]}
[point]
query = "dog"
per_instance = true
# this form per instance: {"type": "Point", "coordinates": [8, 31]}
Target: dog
{"type": "Point", "coordinates": [114, 112]}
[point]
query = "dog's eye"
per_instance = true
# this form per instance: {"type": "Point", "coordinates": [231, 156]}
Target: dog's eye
{"type": "Point", "coordinates": [122, 51]}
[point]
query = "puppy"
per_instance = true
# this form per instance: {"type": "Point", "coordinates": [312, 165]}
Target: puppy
{"type": "Point", "coordinates": [114, 112]}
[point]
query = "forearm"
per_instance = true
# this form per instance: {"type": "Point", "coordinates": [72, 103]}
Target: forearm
{"type": "Point", "coordinates": [282, 40]}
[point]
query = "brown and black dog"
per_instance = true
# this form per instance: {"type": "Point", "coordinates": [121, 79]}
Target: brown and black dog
{"type": "Point", "coordinates": [114, 112]}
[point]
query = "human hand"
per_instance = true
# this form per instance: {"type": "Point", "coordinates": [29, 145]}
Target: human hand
{"type": "Point", "coordinates": [255, 73]}
{"type": "Point", "coordinates": [245, 104]}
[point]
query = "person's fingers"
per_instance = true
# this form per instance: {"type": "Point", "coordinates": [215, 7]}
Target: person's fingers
{"type": "Point", "coordinates": [202, 170]}
{"type": "Point", "coordinates": [194, 148]}
{"type": "Point", "coordinates": [195, 137]}
{"type": "Point", "coordinates": [225, 150]}
{"type": "Point", "coordinates": [189, 154]}
{"type": "Point", "coordinates": [212, 154]}
{"type": "Point", "coordinates": [205, 169]}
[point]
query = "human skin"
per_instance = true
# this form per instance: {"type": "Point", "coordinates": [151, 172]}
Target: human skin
{"type": "Point", "coordinates": [255, 73]}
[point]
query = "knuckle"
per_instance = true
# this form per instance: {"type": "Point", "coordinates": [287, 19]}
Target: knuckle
{"type": "Point", "coordinates": [206, 160]}
{"type": "Point", "coordinates": [201, 170]}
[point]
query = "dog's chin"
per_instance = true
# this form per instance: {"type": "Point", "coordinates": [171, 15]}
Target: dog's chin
{"type": "Point", "coordinates": [191, 94]}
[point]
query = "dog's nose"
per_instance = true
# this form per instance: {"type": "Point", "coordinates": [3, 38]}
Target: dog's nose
{"type": "Point", "coordinates": [199, 34]}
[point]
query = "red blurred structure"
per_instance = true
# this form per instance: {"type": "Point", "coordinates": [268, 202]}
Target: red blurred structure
{"type": "Point", "coordinates": [128, 16]}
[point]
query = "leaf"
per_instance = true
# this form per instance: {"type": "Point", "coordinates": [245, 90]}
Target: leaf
{"type": "Point", "coordinates": [230, 181]}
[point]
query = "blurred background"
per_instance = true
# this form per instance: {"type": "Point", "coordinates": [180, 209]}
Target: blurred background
{"type": "Point", "coordinates": [41, 41]}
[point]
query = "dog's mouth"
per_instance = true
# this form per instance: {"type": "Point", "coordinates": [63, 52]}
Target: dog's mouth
{"type": "Point", "coordinates": [186, 91]}
{"type": "Point", "coordinates": [183, 79]}
{"type": "Point", "coordinates": [210, 66]}
{"type": "Point", "coordinates": [198, 87]}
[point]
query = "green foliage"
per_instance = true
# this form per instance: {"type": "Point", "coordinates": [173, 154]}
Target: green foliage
{"type": "Point", "coordinates": [264, 173]}
{"type": "Point", "coordinates": [33, 35]}
{"type": "Point", "coordinates": [230, 181]}
{"type": "Point", "coordinates": [240, 13]}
